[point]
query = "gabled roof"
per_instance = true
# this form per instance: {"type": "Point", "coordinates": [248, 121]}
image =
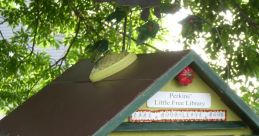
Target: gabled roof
{"type": "Point", "coordinates": [74, 106]}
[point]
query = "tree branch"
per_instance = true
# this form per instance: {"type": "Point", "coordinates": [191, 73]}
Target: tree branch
{"type": "Point", "coordinates": [148, 45]}
{"type": "Point", "coordinates": [124, 34]}
{"type": "Point", "coordinates": [79, 15]}
{"type": "Point", "coordinates": [37, 21]}
{"type": "Point", "coordinates": [32, 87]}
{"type": "Point", "coordinates": [3, 21]}
{"type": "Point", "coordinates": [2, 35]}
{"type": "Point", "coordinates": [60, 61]}
{"type": "Point", "coordinates": [36, 29]}
{"type": "Point", "coordinates": [38, 80]}
{"type": "Point", "coordinates": [250, 21]}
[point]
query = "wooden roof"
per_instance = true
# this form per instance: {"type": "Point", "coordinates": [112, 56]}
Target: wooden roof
{"type": "Point", "coordinates": [74, 106]}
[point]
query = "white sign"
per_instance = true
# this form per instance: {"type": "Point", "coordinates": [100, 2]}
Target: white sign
{"type": "Point", "coordinates": [179, 100]}
{"type": "Point", "coordinates": [178, 115]}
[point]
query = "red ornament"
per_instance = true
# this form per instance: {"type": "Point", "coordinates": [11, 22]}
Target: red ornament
{"type": "Point", "coordinates": [185, 76]}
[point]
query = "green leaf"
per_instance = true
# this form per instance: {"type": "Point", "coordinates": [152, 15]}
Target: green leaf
{"type": "Point", "coordinates": [118, 14]}
{"type": "Point", "coordinates": [146, 31]}
{"type": "Point", "coordinates": [169, 8]}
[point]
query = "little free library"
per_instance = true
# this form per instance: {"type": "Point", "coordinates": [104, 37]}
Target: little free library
{"type": "Point", "coordinates": [158, 94]}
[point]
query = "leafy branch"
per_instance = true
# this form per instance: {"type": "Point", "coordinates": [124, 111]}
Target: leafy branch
{"type": "Point", "coordinates": [77, 29]}
{"type": "Point", "coordinates": [61, 60]}
{"type": "Point", "coordinates": [36, 29]}
{"type": "Point", "coordinates": [242, 13]}
{"type": "Point", "coordinates": [3, 21]}
{"type": "Point", "coordinates": [34, 42]}
{"type": "Point", "coordinates": [148, 45]}
{"type": "Point", "coordinates": [124, 34]}
{"type": "Point", "coordinates": [38, 80]}
{"type": "Point", "coordinates": [2, 35]}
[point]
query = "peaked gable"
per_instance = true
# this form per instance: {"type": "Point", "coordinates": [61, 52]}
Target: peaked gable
{"type": "Point", "coordinates": [74, 106]}
{"type": "Point", "coordinates": [210, 77]}
{"type": "Point", "coordinates": [176, 110]}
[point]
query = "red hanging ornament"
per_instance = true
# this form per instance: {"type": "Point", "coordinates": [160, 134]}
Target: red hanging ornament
{"type": "Point", "coordinates": [185, 76]}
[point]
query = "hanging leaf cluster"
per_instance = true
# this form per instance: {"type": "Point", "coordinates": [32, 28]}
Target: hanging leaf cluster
{"type": "Point", "coordinates": [169, 8]}
{"type": "Point", "coordinates": [150, 28]}
{"type": "Point", "coordinates": [119, 14]}
{"type": "Point", "coordinates": [190, 24]}
{"type": "Point", "coordinates": [98, 49]}
{"type": "Point", "coordinates": [146, 31]}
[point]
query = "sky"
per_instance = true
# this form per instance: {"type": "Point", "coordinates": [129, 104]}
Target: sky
{"type": "Point", "coordinates": [173, 40]}
{"type": "Point", "coordinates": [170, 22]}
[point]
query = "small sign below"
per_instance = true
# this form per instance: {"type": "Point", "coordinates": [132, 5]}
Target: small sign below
{"type": "Point", "coordinates": [178, 115]}
{"type": "Point", "coordinates": [179, 100]}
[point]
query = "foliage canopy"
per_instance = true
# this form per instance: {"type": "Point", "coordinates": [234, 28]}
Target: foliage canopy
{"type": "Point", "coordinates": [89, 28]}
